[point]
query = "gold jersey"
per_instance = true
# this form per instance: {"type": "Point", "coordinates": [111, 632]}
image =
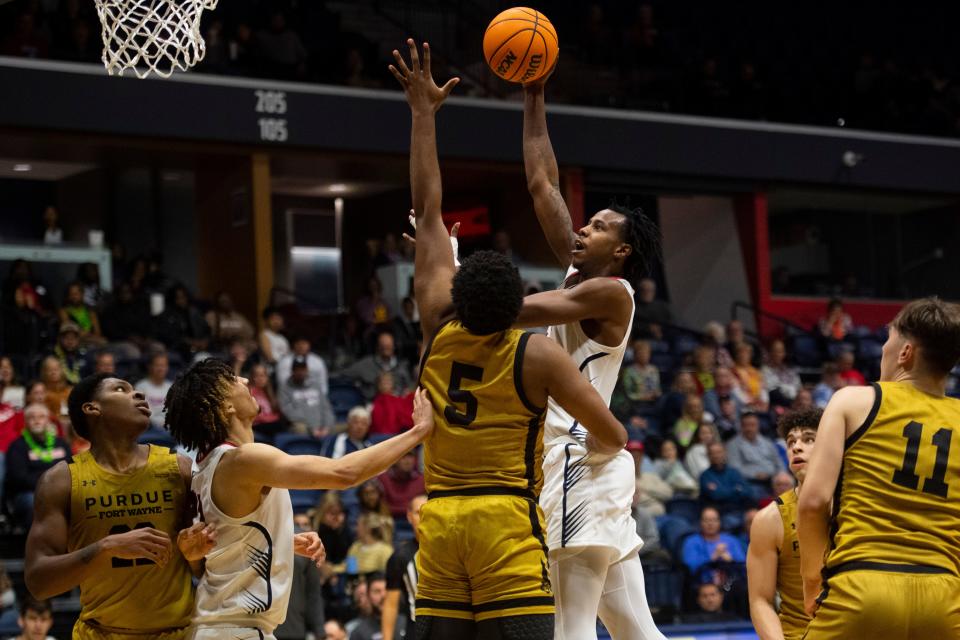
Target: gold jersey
{"type": "Point", "coordinates": [488, 436]}
{"type": "Point", "coordinates": [793, 619]}
{"type": "Point", "coordinates": [131, 594]}
{"type": "Point", "coordinates": [898, 496]}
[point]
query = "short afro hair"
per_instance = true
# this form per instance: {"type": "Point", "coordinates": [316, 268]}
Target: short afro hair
{"type": "Point", "coordinates": [487, 293]}
{"type": "Point", "coordinates": [803, 419]}
{"type": "Point", "coordinates": [195, 403]}
{"type": "Point", "coordinates": [85, 391]}
{"type": "Point", "coordinates": [644, 238]}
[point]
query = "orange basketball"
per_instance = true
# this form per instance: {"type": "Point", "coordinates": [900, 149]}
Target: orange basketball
{"type": "Point", "coordinates": [520, 45]}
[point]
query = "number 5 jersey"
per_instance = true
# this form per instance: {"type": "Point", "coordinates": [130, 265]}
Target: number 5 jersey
{"type": "Point", "coordinates": [131, 594]}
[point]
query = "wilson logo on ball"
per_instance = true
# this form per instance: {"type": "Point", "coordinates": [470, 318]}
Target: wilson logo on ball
{"type": "Point", "coordinates": [520, 45]}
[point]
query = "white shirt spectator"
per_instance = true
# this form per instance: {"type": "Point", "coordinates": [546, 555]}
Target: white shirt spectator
{"type": "Point", "coordinates": [155, 394]}
{"type": "Point", "coordinates": [315, 366]}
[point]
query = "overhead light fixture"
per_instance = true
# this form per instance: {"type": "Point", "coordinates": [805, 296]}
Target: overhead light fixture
{"type": "Point", "coordinates": [338, 188]}
{"type": "Point", "coordinates": [22, 167]}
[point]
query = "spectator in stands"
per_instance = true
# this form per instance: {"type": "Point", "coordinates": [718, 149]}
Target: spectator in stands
{"type": "Point", "coordinates": [306, 606]}
{"type": "Point", "coordinates": [305, 404]}
{"type": "Point", "coordinates": [651, 314]}
{"type": "Point", "coordinates": [406, 329]}
{"type": "Point", "coordinates": [830, 382]}
{"type": "Point", "coordinates": [9, 612]}
{"type": "Point", "coordinates": [76, 311]}
{"type": "Point", "coordinates": [728, 422]}
{"type": "Point", "coordinates": [726, 387]}
{"type": "Point", "coordinates": [11, 391]}
{"type": "Point", "coordinates": [391, 413]}
{"type": "Point", "coordinates": [11, 428]}
{"type": "Point", "coordinates": [849, 375]}
{"type": "Point", "coordinates": [371, 548]}
{"type": "Point", "coordinates": [651, 492]}
{"type": "Point", "coordinates": [366, 370]}
{"type": "Point", "coordinates": [641, 380]}
{"type": "Point", "coordinates": [88, 276]}
{"type": "Point", "coordinates": [696, 459]}
{"type": "Point", "coordinates": [104, 362]}
{"type": "Point", "coordinates": [755, 456]}
{"type": "Point", "coordinates": [181, 326]}
{"type": "Point", "coordinates": [704, 365]}
{"type": "Point", "coordinates": [35, 620]}
{"type": "Point", "coordinates": [716, 336]}
{"type": "Point", "coordinates": [672, 471]}
{"type": "Point", "coordinates": [127, 323]}
{"type": "Point", "coordinates": [710, 606]}
{"type": "Point", "coordinates": [21, 323]}
{"type": "Point", "coordinates": [803, 401]}
{"type": "Point", "coordinates": [20, 278]}
{"type": "Point", "coordinates": [57, 388]}
{"type": "Point", "coordinates": [651, 553]}
{"type": "Point", "coordinates": [672, 403]}
{"type": "Point", "coordinates": [721, 484]}
{"type": "Point", "coordinates": [330, 523]}
{"type": "Point", "coordinates": [401, 483]}
{"type": "Point", "coordinates": [69, 352]}
{"type": "Point", "coordinates": [354, 438]}
{"type": "Point", "coordinates": [52, 233]}
{"type": "Point", "coordinates": [155, 387]}
{"type": "Point", "coordinates": [28, 457]}
{"type": "Point", "coordinates": [361, 605]}
{"type": "Point", "coordinates": [315, 364]}
{"type": "Point", "coordinates": [369, 625]}
{"type": "Point", "coordinates": [227, 324]}
{"type": "Point", "coordinates": [836, 324]}
{"type": "Point", "coordinates": [750, 378]}
{"type": "Point", "coordinates": [269, 421]}
{"type": "Point", "coordinates": [688, 423]}
{"type": "Point", "coordinates": [748, 516]}
{"type": "Point", "coordinates": [239, 358]}
{"type": "Point", "coordinates": [782, 482]}
{"type": "Point", "coordinates": [704, 553]}
{"type": "Point", "coordinates": [398, 618]}
{"type": "Point", "coordinates": [736, 335]}
{"type": "Point", "coordinates": [274, 346]}
{"type": "Point", "coordinates": [335, 630]}
{"type": "Point", "coordinates": [372, 309]}
{"type": "Point", "coordinates": [781, 381]}
{"type": "Point", "coordinates": [281, 50]}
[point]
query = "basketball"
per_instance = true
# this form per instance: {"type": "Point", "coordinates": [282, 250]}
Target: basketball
{"type": "Point", "coordinates": [520, 45]}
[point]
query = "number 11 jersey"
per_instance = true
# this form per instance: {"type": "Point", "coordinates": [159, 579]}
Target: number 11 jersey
{"type": "Point", "coordinates": [487, 434]}
{"type": "Point", "coordinates": [898, 496]}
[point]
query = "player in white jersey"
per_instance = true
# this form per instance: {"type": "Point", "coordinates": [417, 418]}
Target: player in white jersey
{"type": "Point", "coordinates": [587, 498]}
{"type": "Point", "coordinates": [242, 490]}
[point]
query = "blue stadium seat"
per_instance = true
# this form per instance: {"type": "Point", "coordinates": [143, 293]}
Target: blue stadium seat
{"type": "Point", "coordinates": [281, 439]}
{"type": "Point", "coordinates": [806, 350]}
{"type": "Point", "coordinates": [304, 499]}
{"type": "Point", "coordinates": [344, 396]}
{"type": "Point", "coordinates": [686, 508]}
{"type": "Point", "coordinates": [870, 348]}
{"type": "Point", "coordinates": [303, 445]}
{"type": "Point", "coordinates": [664, 587]}
{"type": "Point", "coordinates": [663, 361]}
{"type": "Point", "coordinates": [402, 531]}
{"type": "Point", "coordinates": [376, 438]}
{"type": "Point", "coordinates": [673, 531]}
{"type": "Point", "coordinates": [158, 437]}
{"type": "Point", "coordinates": [659, 346]}
{"type": "Point", "coordinates": [684, 344]}
{"type": "Point", "coordinates": [262, 438]}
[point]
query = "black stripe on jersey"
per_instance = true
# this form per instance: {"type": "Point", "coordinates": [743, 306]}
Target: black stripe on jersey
{"type": "Point", "coordinates": [601, 354]}
{"type": "Point", "coordinates": [573, 521]}
{"type": "Point", "coordinates": [862, 429]}
{"type": "Point", "coordinates": [426, 352]}
{"type": "Point", "coordinates": [866, 565]}
{"type": "Point", "coordinates": [518, 374]}
{"type": "Point", "coordinates": [423, 603]}
{"type": "Point", "coordinates": [484, 491]}
{"type": "Point", "coordinates": [530, 451]}
{"type": "Point", "coordinates": [261, 560]}
{"type": "Point", "coordinates": [514, 603]}
{"type": "Point", "coordinates": [778, 500]}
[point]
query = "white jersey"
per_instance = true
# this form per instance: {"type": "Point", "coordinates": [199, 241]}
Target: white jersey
{"type": "Point", "coordinates": [587, 498]}
{"type": "Point", "coordinates": [248, 574]}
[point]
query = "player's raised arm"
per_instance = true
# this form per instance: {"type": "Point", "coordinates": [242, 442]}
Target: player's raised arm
{"type": "Point", "coordinates": [434, 258]}
{"type": "Point", "coordinates": [595, 299]}
{"type": "Point", "coordinates": [543, 175]}
{"type": "Point", "coordinates": [763, 558]}
{"type": "Point", "coordinates": [549, 363]}
{"type": "Point", "coordinates": [260, 465]}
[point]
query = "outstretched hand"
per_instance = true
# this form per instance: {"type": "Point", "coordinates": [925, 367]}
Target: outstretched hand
{"type": "Point", "coordinates": [454, 230]}
{"type": "Point", "coordinates": [423, 94]}
{"type": "Point", "coordinates": [541, 82]}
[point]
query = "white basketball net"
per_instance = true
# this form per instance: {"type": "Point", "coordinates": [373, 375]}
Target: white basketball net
{"type": "Point", "coordinates": [156, 36]}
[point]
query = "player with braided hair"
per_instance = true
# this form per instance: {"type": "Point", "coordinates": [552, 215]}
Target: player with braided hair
{"type": "Point", "coordinates": [587, 498]}
{"type": "Point", "coordinates": [242, 487]}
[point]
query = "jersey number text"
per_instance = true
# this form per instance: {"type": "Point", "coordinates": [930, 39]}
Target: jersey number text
{"type": "Point", "coordinates": [906, 475]}
{"type": "Point", "coordinates": [458, 373]}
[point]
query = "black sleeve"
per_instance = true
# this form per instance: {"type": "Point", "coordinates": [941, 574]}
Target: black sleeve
{"type": "Point", "coordinates": [396, 567]}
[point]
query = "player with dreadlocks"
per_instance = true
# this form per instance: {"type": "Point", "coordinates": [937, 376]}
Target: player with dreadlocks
{"type": "Point", "coordinates": [242, 489]}
{"type": "Point", "coordinates": [587, 497]}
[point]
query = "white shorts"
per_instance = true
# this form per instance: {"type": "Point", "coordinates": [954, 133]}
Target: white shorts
{"type": "Point", "coordinates": [587, 500]}
{"type": "Point", "coordinates": [219, 633]}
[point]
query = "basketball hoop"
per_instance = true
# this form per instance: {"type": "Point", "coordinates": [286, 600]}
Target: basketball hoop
{"type": "Point", "coordinates": [156, 36]}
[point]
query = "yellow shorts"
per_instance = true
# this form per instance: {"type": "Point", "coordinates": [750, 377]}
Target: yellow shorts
{"type": "Point", "coordinates": [888, 605]}
{"type": "Point", "coordinates": [482, 557]}
{"type": "Point", "coordinates": [84, 631]}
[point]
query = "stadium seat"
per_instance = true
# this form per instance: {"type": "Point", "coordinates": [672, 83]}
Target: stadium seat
{"type": "Point", "coordinates": [686, 508]}
{"type": "Point", "coordinates": [281, 439]}
{"type": "Point", "coordinates": [376, 438]}
{"type": "Point", "coordinates": [303, 445]}
{"type": "Point", "coordinates": [673, 531]}
{"type": "Point", "coordinates": [659, 346]}
{"type": "Point", "coordinates": [806, 350]}
{"type": "Point", "coordinates": [663, 361]}
{"type": "Point", "coordinates": [684, 344]}
{"type": "Point", "coordinates": [262, 438]}
{"type": "Point", "coordinates": [304, 499]}
{"type": "Point", "coordinates": [870, 348]}
{"type": "Point", "coordinates": [664, 587]}
{"type": "Point", "coordinates": [344, 396]}
{"type": "Point", "coordinates": [402, 531]}
{"type": "Point", "coordinates": [158, 437]}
